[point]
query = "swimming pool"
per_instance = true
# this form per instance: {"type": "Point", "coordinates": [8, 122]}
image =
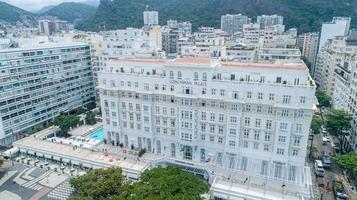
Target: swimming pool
{"type": "Point", "coordinates": [98, 134]}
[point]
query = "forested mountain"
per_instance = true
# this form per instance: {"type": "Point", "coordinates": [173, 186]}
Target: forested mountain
{"type": "Point", "coordinates": [65, 11]}
{"type": "Point", "coordinates": [71, 11]}
{"type": "Point", "coordinates": [9, 13]}
{"type": "Point", "coordinates": [306, 15]}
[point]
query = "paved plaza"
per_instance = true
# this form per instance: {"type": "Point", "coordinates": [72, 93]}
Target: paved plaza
{"type": "Point", "coordinates": [28, 182]}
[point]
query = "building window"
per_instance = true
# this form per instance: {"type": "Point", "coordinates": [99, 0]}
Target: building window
{"type": "Point", "coordinates": [280, 151]}
{"type": "Point", "coordinates": [246, 133]}
{"type": "Point", "coordinates": [179, 75]}
{"type": "Point", "coordinates": [249, 95]}
{"type": "Point", "coordinates": [302, 100]}
{"type": "Point", "coordinates": [247, 108]}
{"type": "Point", "coordinates": [259, 109]}
{"type": "Point", "coordinates": [235, 94]}
{"type": "Point", "coordinates": [221, 92]}
{"type": "Point", "coordinates": [232, 131]}
{"type": "Point", "coordinates": [295, 152]}
{"type": "Point", "coordinates": [268, 124]}
{"type": "Point", "coordinates": [245, 144]}
{"type": "Point", "coordinates": [212, 128]}
{"type": "Point", "coordinates": [195, 76]}
{"type": "Point", "coordinates": [203, 90]}
{"type": "Point", "coordinates": [211, 138]}
{"type": "Point", "coordinates": [203, 137]}
{"type": "Point", "coordinates": [213, 117]}
{"type": "Point", "coordinates": [247, 121]}
{"type": "Point", "coordinates": [270, 110]}
{"type": "Point", "coordinates": [282, 138]}
{"type": "Point", "coordinates": [213, 91]}
{"type": "Point", "coordinates": [221, 118]}
{"type": "Point", "coordinates": [257, 123]}
{"type": "Point", "coordinates": [298, 128]}
{"type": "Point", "coordinates": [286, 99]}
{"type": "Point", "coordinates": [256, 145]}
{"type": "Point", "coordinates": [220, 129]}
{"type": "Point", "coordinates": [300, 113]}
{"type": "Point", "coordinates": [285, 113]}
{"type": "Point", "coordinates": [297, 140]}
{"type": "Point", "coordinates": [233, 120]}
{"type": "Point", "coordinates": [220, 140]}
{"type": "Point", "coordinates": [283, 126]}
{"type": "Point", "coordinates": [266, 147]}
{"type": "Point", "coordinates": [260, 96]}
{"type": "Point", "coordinates": [267, 137]}
{"type": "Point", "coordinates": [232, 143]}
{"type": "Point", "coordinates": [271, 97]}
{"type": "Point", "coordinates": [203, 116]}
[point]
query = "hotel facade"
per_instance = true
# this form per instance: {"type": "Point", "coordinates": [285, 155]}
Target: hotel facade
{"type": "Point", "coordinates": [247, 118]}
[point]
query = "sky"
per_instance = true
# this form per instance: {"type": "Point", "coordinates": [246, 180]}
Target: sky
{"type": "Point", "coordinates": [34, 5]}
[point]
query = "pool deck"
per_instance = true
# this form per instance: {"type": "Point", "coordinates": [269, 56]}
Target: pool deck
{"type": "Point", "coordinates": [85, 129]}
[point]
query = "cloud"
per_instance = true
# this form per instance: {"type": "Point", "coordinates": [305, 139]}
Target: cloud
{"type": "Point", "coordinates": [34, 5]}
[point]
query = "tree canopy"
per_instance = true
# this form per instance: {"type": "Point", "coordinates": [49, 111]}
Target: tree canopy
{"type": "Point", "coordinates": [323, 99]}
{"type": "Point", "coordinates": [98, 184]}
{"type": "Point", "coordinates": [338, 123]}
{"type": "Point", "coordinates": [65, 122]}
{"type": "Point", "coordinates": [316, 124]}
{"type": "Point", "coordinates": [90, 118]}
{"type": "Point", "coordinates": [168, 183]}
{"type": "Point", "coordinates": [347, 162]}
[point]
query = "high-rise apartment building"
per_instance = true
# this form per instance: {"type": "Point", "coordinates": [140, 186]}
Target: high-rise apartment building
{"type": "Point", "coordinates": [326, 63]}
{"type": "Point", "coordinates": [47, 26]}
{"type": "Point", "coordinates": [38, 83]}
{"type": "Point", "coordinates": [308, 43]}
{"type": "Point", "coordinates": [269, 20]}
{"type": "Point", "coordinates": [151, 18]}
{"type": "Point", "coordinates": [247, 118]}
{"type": "Point", "coordinates": [233, 23]}
{"type": "Point", "coordinates": [339, 26]}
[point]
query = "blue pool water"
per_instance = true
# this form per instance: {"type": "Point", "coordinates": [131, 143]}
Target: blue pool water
{"type": "Point", "coordinates": [98, 134]}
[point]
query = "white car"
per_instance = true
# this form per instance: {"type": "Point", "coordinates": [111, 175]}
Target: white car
{"type": "Point", "coordinates": [326, 139]}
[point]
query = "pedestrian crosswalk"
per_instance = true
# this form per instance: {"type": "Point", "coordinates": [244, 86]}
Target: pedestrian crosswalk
{"type": "Point", "coordinates": [62, 192]}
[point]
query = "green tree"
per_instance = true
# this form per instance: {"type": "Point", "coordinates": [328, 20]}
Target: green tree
{"type": "Point", "coordinates": [316, 124]}
{"type": "Point", "coordinates": [166, 183]}
{"type": "Point", "coordinates": [338, 123]}
{"type": "Point", "coordinates": [169, 183]}
{"type": "Point", "coordinates": [1, 162]}
{"type": "Point", "coordinates": [347, 162]}
{"type": "Point", "coordinates": [90, 118]}
{"type": "Point", "coordinates": [65, 122]}
{"type": "Point", "coordinates": [98, 184]}
{"type": "Point", "coordinates": [323, 99]}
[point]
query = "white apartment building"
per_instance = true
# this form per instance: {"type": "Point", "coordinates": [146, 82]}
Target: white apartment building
{"type": "Point", "coordinates": [38, 83]}
{"type": "Point", "coordinates": [151, 18]}
{"type": "Point", "coordinates": [271, 55]}
{"type": "Point", "coordinates": [339, 26]}
{"type": "Point", "coordinates": [130, 42]}
{"type": "Point", "coordinates": [308, 43]}
{"type": "Point", "coordinates": [345, 87]}
{"type": "Point", "coordinates": [233, 23]}
{"type": "Point", "coordinates": [269, 20]}
{"type": "Point", "coordinates": [250, 119]}
{"type": "Point", "coordinates": [327, 60]}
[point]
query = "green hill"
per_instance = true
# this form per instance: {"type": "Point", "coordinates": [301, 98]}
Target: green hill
{"type": "Point", "coordinates": [306, 15]}
{"type": "Point", "coordinates": [71, 11]}
{"type": "Point", "coordinates": [9, 13]}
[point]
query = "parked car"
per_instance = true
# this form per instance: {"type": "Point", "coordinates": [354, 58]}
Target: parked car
{"type": "Point", "coordinates": [326, 161]}
{"type": "Point", "coordinates": [339, 190]}
{"type": "Point", "coordinates": [319, 169]}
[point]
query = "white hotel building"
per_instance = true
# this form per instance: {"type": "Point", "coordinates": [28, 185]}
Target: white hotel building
{"type": "Point", "coordinates": [234, 118]}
